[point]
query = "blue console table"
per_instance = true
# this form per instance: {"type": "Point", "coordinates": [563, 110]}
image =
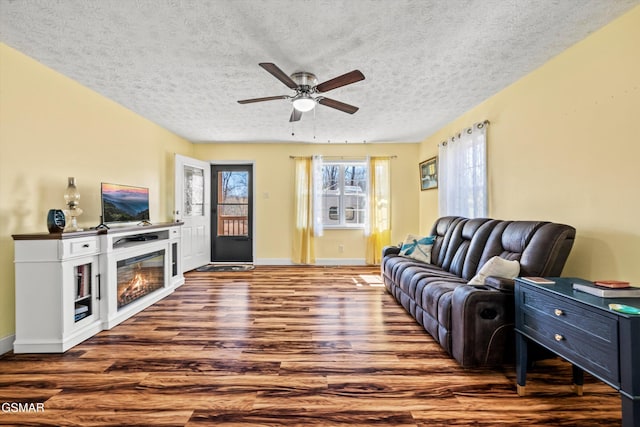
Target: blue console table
{"type": "Point", "coordinates": [581, 329]}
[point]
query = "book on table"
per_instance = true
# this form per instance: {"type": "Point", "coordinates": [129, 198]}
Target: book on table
{"type": "Point", "coordinates": [538, 280]}
{"type": "Point", "coordinates": [613, 283]}
{"type": "Point", "coordinates": [628, 292]}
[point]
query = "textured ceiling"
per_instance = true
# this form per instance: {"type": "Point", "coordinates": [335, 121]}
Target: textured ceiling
{"type": "Point", "coordinates": [184, 64]}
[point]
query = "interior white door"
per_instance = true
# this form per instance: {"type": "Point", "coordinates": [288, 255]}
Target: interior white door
{"type": "Point", "coordinates": [193, 207]}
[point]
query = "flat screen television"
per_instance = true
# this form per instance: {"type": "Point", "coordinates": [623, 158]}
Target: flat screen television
{"type": "Point", "coordinates": [124, 203]}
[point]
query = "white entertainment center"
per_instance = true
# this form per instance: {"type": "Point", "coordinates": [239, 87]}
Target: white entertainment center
{"type": "Point", "coordinates": [70, 286]}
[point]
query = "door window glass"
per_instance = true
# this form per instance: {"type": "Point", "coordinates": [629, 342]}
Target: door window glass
{"type": "Point", "coordinates": [193, 191]}
{"type": "Point", "coordinates": [233, 203]}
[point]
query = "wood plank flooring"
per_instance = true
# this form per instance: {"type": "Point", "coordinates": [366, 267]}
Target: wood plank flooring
{"type": "Point", "coordinates": [294, 346]}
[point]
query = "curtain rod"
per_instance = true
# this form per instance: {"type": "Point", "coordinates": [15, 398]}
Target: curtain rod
{"type": "Point", "coordinates": [457, 135]}
{"type": "Point", "coordinates": [342, 157]}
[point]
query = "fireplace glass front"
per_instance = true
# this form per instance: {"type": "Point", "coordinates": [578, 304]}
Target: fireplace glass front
{"type": "Point", "coordinates": [139, 276]}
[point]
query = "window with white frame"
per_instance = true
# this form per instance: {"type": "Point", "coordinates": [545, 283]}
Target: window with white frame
{"type": "Point", "coordinates": [344, 194]}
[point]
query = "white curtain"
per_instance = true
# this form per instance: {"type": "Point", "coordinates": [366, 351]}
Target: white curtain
{"type": "Point", "coordinates": [462, 173]}
{"type": "Point", "coordinates": [318, 191]}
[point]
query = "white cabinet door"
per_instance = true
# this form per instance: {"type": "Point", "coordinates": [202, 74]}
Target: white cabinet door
{"type": "Point", "coordinates": [193, 207]}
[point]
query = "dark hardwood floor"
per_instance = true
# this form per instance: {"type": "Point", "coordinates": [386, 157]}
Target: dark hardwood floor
{"type": "Point", "coordinates": [308, 346]}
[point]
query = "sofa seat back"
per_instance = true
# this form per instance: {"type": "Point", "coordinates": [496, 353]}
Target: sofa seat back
{"type": "Point", "coordinates": [467, 246]}
{"type": "Point", "coordinates": [443, 230]}
{"type": "Point", "coordinates": [540, 247]}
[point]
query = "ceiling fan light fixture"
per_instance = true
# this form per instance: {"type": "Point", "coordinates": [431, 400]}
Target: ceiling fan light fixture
{"type": "Point", "coordinates": [303, 103]}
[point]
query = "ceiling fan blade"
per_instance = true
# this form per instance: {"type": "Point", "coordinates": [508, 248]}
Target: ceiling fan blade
{"type": "Point", "coordinates": [268, 98]}
{"type": "Point", "coordinates": [279, 74]}
{"type": "Point", "coordinates": [343, 80]}
{"type": "Point", "coordinates": [337, 105]}
{"type": "Point", "coordinates": [295, 115]}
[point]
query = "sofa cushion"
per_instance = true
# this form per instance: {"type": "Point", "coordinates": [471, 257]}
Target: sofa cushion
{"type": "Point", "coordinates": [498, 267]}
{"type": "Point", "coordinates": [417, 247]}
{"type": "Point", "coordinates": [461, 251]}
{"type": "Point", "coordinates": [443, 230]}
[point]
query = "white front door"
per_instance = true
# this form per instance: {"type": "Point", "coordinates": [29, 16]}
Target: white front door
{"type": "Point", "coordinates": [193, 207]}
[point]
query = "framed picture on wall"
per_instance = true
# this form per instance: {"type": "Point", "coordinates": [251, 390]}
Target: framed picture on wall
{"type": "Point", "coordinates": [429, 174]}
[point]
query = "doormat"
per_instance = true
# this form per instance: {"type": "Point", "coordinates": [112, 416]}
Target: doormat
{"type": "Point", "coordinates": [212, 267]}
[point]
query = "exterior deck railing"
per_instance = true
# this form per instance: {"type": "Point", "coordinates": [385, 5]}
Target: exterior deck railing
{"type": "Point", "coordinates": [233, 225]}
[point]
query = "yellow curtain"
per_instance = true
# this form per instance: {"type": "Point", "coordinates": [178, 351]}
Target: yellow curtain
{"type": "Point", "coordinates": [379, 221]}
{"type": "Point", "coordinates": [303, 244]}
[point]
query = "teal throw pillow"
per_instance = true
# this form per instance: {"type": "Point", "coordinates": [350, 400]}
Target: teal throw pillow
{"type": "Point", "coordinates": [418, 248]}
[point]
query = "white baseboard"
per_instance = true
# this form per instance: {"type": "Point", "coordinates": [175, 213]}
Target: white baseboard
{"type": "Point", "coordinates": [6, 343]}
{"type": "Point", "coordinates": [272, 261]}
{"type": "Point", "coordinates": [319, 261]}
{"type": "Point", "coordinates": [340, 261]}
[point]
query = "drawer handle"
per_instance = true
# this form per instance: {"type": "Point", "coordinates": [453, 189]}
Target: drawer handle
{"type": "Point", "coordinates": [86, 245]}
{"type": "Point", "coordinates": [558, 337]}
{"type": "Point", "coordinates": [558, 312]}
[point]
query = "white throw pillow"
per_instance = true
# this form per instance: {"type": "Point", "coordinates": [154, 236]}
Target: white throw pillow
{"type": "Point", "coordinates": [418, 248]}
{"type": "Point", "coordinates": [498, 267]}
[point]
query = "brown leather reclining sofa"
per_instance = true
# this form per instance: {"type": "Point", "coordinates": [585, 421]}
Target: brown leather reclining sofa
{"type": "Point", "coordinates": [474, 323]}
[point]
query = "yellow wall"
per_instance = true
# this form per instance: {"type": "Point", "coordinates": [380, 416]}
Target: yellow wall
{"type": "Point", "coordinates": [273, 174]}
{"type": "Point", "coordinates": [564, 146]}
{"type": "Point", "coordinates": [51, 128]}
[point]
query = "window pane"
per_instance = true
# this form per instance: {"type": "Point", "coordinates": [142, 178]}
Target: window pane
{"type": "Point", "coordinates": [355, 186]}
{"type": "Point", "coordinates": [355, 178]}
{"type": "Point", "coordinates": [193, 191]}
{"type": "Point", "coordinates": [330, 178]}
{"type": "Point", "coordinates": [330, 209]}
{"type": "Point", "coordinates": [331, 194]}
{"type": "Point", "coordinates": [233, 187]}
{"type": "Point", "coordinates": [333, 213]}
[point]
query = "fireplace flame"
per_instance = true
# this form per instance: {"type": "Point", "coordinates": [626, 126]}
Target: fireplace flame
{"type": "Point", "coordinates": [138, 282]}
{"type": "Point", "coordinates": [137, 287]}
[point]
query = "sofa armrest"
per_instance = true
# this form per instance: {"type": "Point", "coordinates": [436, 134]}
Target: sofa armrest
{"type": "Point", "coordinates": [500, 283]}
{"type": "Point", "coordinates": [390, 250]}
{"type": "Point", "coordinates": [482, 321]}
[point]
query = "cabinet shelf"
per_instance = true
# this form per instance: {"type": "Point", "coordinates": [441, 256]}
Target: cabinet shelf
{"type": "Point", "coordinates": [84, 302]}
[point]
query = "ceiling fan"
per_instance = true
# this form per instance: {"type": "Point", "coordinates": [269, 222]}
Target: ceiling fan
{"type": "Point", "coordinates": [305, 85]}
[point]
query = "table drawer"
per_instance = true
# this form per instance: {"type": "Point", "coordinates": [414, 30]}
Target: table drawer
{"type": "Point", "coordinates": [596, 355]}
{"type": "Point", "coordinates": [174, 233]}
{"type": "Point", "coordinates": [572, 314]}
{"type": "Point", "coordinates": [582, 335]}
{"type": "Point", "coordinates": [79, 247]}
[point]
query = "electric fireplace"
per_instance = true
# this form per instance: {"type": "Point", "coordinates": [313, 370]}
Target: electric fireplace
{"type": "Point", "coordinates": [139, 276]}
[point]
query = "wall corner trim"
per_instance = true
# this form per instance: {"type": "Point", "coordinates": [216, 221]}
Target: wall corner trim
{"type": "Point", "coordinates": [6, 344]}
